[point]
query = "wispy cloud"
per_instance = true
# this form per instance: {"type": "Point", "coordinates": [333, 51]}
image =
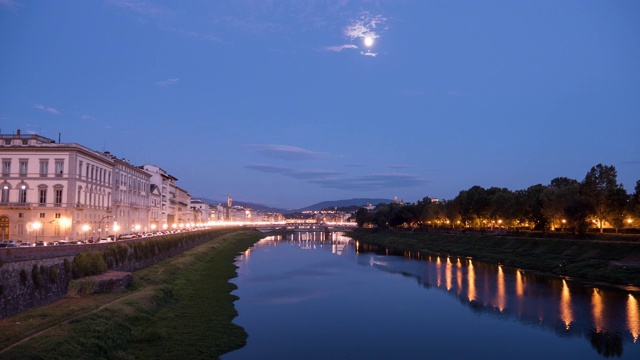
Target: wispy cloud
{"type": "Point", "coordinates": [11, 4]}
{"type": "Point", "coordinates": [167, 82]}
{"type": "Point", "coordinates": [399, 167]}
{"type": "Point", "coordinates": [88, 117]}
{"type": "Point", "coordinates": [47, 109]}
{"type": "Point", "coordinates": [339, 48]}
{"type": "Point", "coordinates": [285, 152]}
{"type": "Point", "coordinates": [366, 27]}
{"type": "Point", "coordinates": [196, 34]}
{"type": "Point", "coordinates": [141, 7]}
{"type": "Point", "coordinates": [336, 180]}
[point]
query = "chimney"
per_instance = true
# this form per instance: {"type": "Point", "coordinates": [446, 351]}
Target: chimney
{"type": "Point", "coordinates": [18, 133]}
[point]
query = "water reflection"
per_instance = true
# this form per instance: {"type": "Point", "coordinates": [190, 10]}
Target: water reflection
{"type": "Point", "coordinates": [607, 318]}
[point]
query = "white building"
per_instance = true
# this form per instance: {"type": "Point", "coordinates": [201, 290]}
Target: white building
{"type": "Point", "coordinates": [52, 191]}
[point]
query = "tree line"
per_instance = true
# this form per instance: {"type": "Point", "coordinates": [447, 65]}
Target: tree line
{"type": "Point", "coordinates": [564, 203]}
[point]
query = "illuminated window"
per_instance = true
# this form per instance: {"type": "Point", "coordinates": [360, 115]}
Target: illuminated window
{"type": "Point", "coordinates": [59, 168]}
{"type": "Point", "coordinates": [22, 195]}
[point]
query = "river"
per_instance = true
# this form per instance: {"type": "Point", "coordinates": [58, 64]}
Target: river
{"type": "Point", "coordinates": [325, 296]}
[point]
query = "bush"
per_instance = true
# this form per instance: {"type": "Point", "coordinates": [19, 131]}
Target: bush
{"type": "Point", "coordinates": [88, 263]}
{"type": "Point", "coordinates": [53, 274]}
{"type": "Point", "coordinates": [23, 276]}
{"type": "Point", "coordinates": [67, 265]}
{"type": "Point", "coordinates": [35, 276]}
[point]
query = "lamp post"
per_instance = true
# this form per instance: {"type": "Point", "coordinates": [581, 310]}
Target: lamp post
{"type": "Point", "coordinates": [36, 227]}
{"type": "Point", "coordinates": [116, 228]}
{"type": "Point", "coordinates": [85, 228]}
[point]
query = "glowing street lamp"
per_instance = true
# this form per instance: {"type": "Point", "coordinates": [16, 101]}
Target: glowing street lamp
{"type": "Point", "coordinates": [85, 228]}
{"type": "Point", "coordinates": [116, 228]}
{"type": "Point", "coordinates": [36, 227]}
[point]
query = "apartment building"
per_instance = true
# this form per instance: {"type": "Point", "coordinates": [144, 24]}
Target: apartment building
{"type": "Point", "coordinates": [52, 191]}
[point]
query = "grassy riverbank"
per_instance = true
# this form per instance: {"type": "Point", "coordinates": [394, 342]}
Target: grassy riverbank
{"type": "Point", "coordinates": [609, 260]}
{"type": "Point", "coordinates": [178, 308]}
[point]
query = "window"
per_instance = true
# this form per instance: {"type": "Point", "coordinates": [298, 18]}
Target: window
{"type": "Point", "coordinates": [59, 168]}
{"type": "Point", "coordinates": [57, 215]}
{"type": "Point", "coordinates": [58, 197]}
{"type": "Point", "coordinates": [42, 196]}
{"type": "Point", "coordinates": [22, 194]}
{"type": "Point", "coordinates": [5, 194]}
{"type": "Point", "coordinates": [44, 168]}
{"type": "Point", "coordinates": [20, 229]}
{"type": "Point", "coordinates": [24, 165]}
{"type": "Point", "coordinates": [20, 215]}
{"type": "Point", "coordinates": [6, 168]}
{"type": "Point", "coordinates": [42, 215]}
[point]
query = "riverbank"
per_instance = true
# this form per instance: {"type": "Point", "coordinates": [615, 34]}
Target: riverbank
{"type": "Point", "coordinates": [179, 308]}
{"type": "Point", "coordinates": [609, 261]}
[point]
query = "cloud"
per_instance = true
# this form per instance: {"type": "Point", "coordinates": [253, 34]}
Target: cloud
{"type": "Point", "coordinates": [399, 167]}
{"type": "Point", "coordinates": [366, 26]}
{"type": "Point", "coordinates": [285, 152]}
{"type": "Point", "coordinates": [88, 117]}
{"type": "Point", "coordinates": [196, 34]}
{"type": "Point", "coordinates": [167, 82]}
{"type": "Point", "coordinates": [339, 48]}
{"type": "Point", "coordinates": [47, 109]}
{"type": "Point", "coordinates": [141, 7]}
{"type": "Point", "coordinates": [335, 180]}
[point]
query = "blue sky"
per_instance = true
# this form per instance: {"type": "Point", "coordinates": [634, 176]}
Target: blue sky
{"type": "Point", "coordinates": [289, 103]}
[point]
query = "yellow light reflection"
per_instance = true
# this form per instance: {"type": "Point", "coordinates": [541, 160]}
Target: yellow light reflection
{"type": "Point", "coordinates": [519, 284]}
{"type": "Point", "coordinates": [459, 277]}
{"type": "Point", "coordinates": [448, 274]}
{"type": "Point", "coordinates": [439, 273]}
{"type": "Point", "coordinates": [501, 296]}
{"type": "Point", "coordinates": [471, 280]}
{"type": "Point", "coordinates": [596, 309]}
{"type": "Point", "coordinates": [566, 311]}
{"type": "Point", "coordinates": [633, 317]}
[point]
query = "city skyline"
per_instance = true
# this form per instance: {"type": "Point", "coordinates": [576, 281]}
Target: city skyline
{"type": "Point", "coordinates": [291, 103]}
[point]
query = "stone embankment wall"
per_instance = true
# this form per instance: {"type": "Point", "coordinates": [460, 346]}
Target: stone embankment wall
{"type": "Point", "coordinates": [31, 277]}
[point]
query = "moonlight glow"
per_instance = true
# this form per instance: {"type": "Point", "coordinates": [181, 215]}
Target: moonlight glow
{"type": "Point", "coordinates": [368, 41]}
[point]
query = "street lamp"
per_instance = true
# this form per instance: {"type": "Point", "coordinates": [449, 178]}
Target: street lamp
{"type": "Point", "coordinates": [37, 226]}
{"type": "Point", "coordinates": [85, 228]}
{"type": "Point", "coordinates": [116, 228]}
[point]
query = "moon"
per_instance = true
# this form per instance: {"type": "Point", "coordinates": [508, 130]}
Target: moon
{"type": "Point", "coordinates": [368, 41]}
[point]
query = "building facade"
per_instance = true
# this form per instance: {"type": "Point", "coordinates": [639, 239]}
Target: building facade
{"type": "Point", "coordinates": [52, 191]}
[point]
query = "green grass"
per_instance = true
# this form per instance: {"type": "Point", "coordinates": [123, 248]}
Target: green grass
{"type": "Point", "coordinates": [178, 308]}
{"type": "Point", "coordinates": [612, 260]}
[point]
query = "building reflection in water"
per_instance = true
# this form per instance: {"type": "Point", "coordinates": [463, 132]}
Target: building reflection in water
{"type": "Point", "coordinates": [606, 317]}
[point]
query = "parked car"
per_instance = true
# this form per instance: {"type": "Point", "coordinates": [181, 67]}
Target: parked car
{"type": "Point", "coordinates": [27, 244]}
{"type": "Point", "coordinates": [41, 243]}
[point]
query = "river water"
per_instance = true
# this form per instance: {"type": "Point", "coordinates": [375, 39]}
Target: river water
{"type": "Point", "coordinates": [317, 296]}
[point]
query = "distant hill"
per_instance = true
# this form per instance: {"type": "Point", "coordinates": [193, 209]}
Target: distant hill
{"type": "Point", "coordinates": [318, 206]}
{"type": "Point", "coordinates": [254, 206]}
{"type": "Point", "coordinates": [345, 203]}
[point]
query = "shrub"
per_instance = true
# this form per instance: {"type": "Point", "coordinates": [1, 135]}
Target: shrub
{"type": "Point", "coordinates": [35, 276]}
{"type": "Point", "coordinates": [23, 276]}
{"type": "Point", "coordinates": [53, 274]}
{"type": "Point", "coordinates": [67, 265]}
{"type": "Point", "coordinates": [88, 263]}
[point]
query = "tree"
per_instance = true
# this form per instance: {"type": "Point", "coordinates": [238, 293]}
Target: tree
{"type": "Point", "coordinates": [362, 217]}
{"type": "Point", "coordinates": [556, 196]}
{"type": "Point", "coordinates": [600, 185]}
{"type": "Point", "coordinates": [578, 211]}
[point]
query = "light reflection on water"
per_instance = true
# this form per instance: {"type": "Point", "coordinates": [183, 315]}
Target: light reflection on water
{"type": "Point", "coordinates": [609, 320]}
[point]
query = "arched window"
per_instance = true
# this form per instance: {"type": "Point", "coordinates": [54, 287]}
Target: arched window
{"type": "Point", "coordinates": [4, 228]}
{"type": "Point", "coordinates": [5, 187]}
